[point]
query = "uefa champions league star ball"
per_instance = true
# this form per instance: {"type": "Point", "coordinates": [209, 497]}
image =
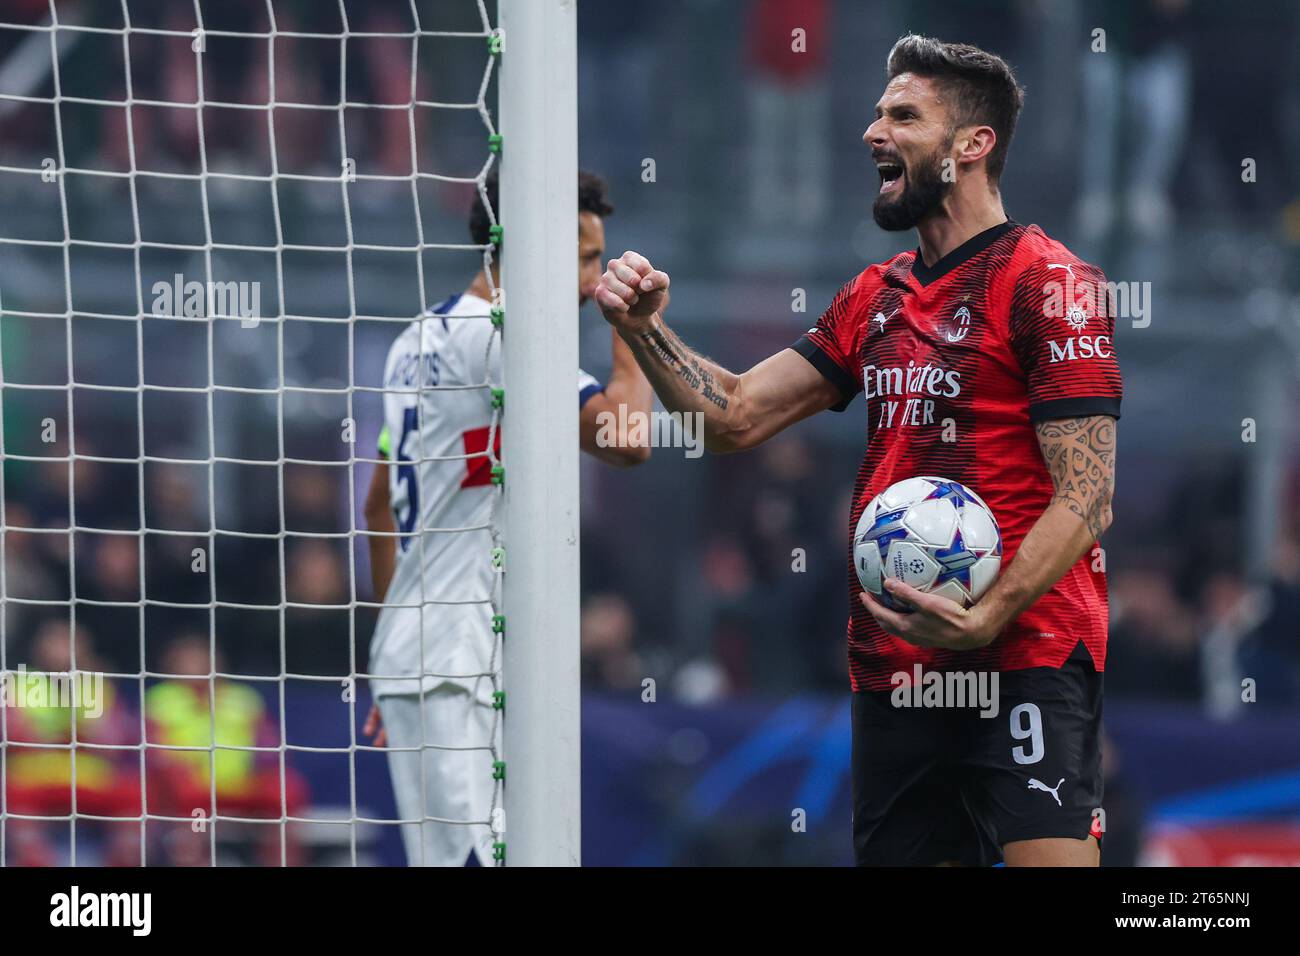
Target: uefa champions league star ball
{"type": "Point", "coordinates": [934, 534]}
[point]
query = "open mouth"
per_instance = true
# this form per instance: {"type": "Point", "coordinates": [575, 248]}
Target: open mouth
{"type": "Point", "coordinates": [891, 176]}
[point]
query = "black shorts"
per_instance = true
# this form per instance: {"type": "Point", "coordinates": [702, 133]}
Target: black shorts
{"type": "Point", "coordinates": [943, 784]}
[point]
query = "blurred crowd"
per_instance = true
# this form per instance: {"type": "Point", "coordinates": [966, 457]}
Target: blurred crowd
{"type": "Point", "coordinates": [138, 605]}
{"type": "Point", "coordinates": [211, 750]}
{"type": "Point", "coordinates": [165, 69]}
{"type": "Point", "coordinates": [1105, 148]}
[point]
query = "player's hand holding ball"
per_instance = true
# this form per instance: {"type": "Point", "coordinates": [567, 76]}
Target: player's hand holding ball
{"type": "Point", "coordinates": [630, 293]}
{"type": "Point", "coordinates": [926, 550]}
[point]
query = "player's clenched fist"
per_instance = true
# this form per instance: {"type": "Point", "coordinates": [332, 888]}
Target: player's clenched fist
{"type": "Point", "coordinates": [631, 291]}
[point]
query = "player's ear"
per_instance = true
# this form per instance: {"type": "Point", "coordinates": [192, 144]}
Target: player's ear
{"type": "Point", "coordinates": [975, 143]}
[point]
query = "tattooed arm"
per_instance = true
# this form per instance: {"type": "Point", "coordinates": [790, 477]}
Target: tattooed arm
{"type": "Point", "coordinates": [1080, 455]}
{"type": "Point", "coordinates": [739, 411]}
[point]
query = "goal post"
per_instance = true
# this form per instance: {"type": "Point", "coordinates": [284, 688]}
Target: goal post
{"type": "Point", "coordinates": [538, 107]}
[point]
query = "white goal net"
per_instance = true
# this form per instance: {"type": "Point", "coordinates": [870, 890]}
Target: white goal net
{"type": "Point", "coordinates": [216, 218]}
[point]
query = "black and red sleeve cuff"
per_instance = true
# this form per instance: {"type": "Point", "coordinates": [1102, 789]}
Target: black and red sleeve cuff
{"type": "Point", "coordinates": [831, 369]}
{"type": "Point", "coordinates": [1079, 407]}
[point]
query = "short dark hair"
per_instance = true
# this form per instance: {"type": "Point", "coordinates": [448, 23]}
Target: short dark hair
{"type": "Point", "coordinates": [591, 198]}
{"type": "Point", "coordinates": [983, 86]}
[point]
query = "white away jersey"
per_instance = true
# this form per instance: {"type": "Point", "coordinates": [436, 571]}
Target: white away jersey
{"type": "Point", "coordinates": [440, 486]}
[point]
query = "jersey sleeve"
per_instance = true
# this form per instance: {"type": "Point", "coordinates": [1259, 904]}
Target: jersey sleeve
{"type": "Point", "coordinates": [587, 387]}
{"type": "Point", "coordinates": [1062, 332]}
{"type": "Point", "coordinates": [391, 401]}
{"type": "Point", "coordinates": [828, 345]}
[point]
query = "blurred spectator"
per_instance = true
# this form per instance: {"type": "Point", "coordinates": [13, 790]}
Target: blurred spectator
{"type": "Point", "coordinates": [609, 660]}
{"type": "Point", "coordinates": [1231, 609]}
{"type": "Point", "coordinates": [49, 699]}
{"type": "Point", "coordinates": [774, 573]}
{"type": "Point", "coordinates": [28, 576]}
{"type": "Point", "coordinates": [315, 502]}
{"type": "Point", "coordinates": [1269, 651]}
{"type": "Point", "coordinates": [789, 110]}
{"type": "Point", "coordinates": [317, 638]}
{"type": "Point", "coordinates": [1137, 101]}
{"type": "Point", "coordinates": [183, 720]}
{"type": "Point", "coordinates": [108, 588]}
{"type": "Point", "coordinates": [729, 594]}
{"type": "Point", "coordinates": [1154, 649]}
{"type": "Point", "coordinates": [101, 498]}
{"type": "Point", "coordinates": [175, 501]}
{"type": "Point", "coordinates": [173, 494]}
{"type": "Point", "coordinates": [387, 79]}
{"type": "Point", "coordinates": [620, 82]}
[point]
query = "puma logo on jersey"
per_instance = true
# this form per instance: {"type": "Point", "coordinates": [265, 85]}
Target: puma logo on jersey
{"type": "Point", "coordinates": [1035, 784]}
{"type": "Point", "coordinates": [881, 318]}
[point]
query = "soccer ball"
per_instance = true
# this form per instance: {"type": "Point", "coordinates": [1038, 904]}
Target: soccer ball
{"type": "Point", "coordinates": [934, 534]}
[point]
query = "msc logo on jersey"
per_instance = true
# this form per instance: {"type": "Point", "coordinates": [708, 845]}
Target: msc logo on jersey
{"type": "Point", "coordinates": [1080, 347]}
{"type": "Point", "coordinates": [959, 326]}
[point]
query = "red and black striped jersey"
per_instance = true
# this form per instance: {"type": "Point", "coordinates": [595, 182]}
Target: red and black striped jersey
{"type": "Point", "coordinates": [958, 361]}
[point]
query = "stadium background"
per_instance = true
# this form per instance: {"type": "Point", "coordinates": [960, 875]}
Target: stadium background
{"type": "Point", "coordinates": [759, 185]}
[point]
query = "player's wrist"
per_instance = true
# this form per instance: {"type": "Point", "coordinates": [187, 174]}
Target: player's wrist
{"type": "Point", "coordinates": [635, 326]}
{"type": "Point", "coordinates": [986, 621]}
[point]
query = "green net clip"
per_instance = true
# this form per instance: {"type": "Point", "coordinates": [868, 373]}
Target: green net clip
{"type": "Point", "coordinates": [498, 319]}
{"type": "Point", "coordinates": [495, 234]}
{"type": "Point", "coordinates": [498, 770]}
{"type": "Point", "coordinates": [494, 42]}
{"type": "Point", "coordinates": [498, 700]}
{"type": "Point", "coordinates": [494, 143]}
{"type": "Point", "coordinates": [498, 623]}
{"type": "Point", "coordinates": [498, 397]}
{"type": "Point", "coordinates": [498, 474]}
{"type": "Point", "coordinates": [499, 852]}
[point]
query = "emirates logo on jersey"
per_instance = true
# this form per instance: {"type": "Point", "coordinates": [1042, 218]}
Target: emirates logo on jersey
{"type": "Point", "coordinates": [927, 379]}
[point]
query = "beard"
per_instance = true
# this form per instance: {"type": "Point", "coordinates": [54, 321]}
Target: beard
{"type": "Point", "coordinates": [924, 190]}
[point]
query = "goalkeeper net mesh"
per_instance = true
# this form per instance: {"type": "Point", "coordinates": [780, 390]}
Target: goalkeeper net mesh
{"type": "Point", "coordinates": [217, 218]}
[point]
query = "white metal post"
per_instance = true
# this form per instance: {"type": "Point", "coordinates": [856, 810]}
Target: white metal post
{"type": "Point", "coordinates": [539, 446]}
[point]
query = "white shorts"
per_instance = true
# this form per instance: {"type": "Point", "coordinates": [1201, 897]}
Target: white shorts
{"type": "Point", "coordinates": [441, 767]}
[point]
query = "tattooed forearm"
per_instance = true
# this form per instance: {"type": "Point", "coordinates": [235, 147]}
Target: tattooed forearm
{"type": "Point", "coordinates": [666, 347]}
{"type": "Point", "coordinates": [1080, 455]}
